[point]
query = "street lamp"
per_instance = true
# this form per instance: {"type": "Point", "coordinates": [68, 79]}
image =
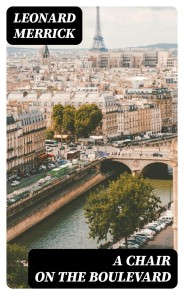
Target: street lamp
{"type": "Point", "coordinates": [141, 150]}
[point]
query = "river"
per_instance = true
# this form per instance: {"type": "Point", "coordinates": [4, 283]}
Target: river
{"type": "Point", "coordinates": [67, 229]}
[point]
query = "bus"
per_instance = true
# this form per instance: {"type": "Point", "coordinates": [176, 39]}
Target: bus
{"type": "Point", "coordinates": [60, 171]}
{"type": "Point", "coordinates": [52, 143]}
{"type": "Point", "coordinates": [122, 143]}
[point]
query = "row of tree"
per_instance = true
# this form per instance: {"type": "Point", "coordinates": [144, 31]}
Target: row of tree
{"type": "Point", "coordinates": [80, 122]}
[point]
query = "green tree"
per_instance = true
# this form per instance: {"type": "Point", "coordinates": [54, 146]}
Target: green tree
{"type": "Point", "coordinates": [69, 119]}
{"type": "Point", "coordinates": [49, 133]}
{"type": "Point", "coordinates": [17, 273]}
{"type": "Point", "coordinates": [57, 118]}
{"type": "Point", "coordinates": [87, 119]}
{"type": "Point", "coordinates": [125, 206]}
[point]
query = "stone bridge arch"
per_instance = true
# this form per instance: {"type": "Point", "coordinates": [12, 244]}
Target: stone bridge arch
{"type": "Point", "coordinates": [113, 165]}
{"type": "Point", "coordinates": [137, 165]}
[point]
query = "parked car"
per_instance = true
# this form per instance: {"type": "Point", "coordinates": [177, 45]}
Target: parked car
{"type": "Point", "coordinates": [26, 175]}
{"type": "Point", "coordinates": [157, 155]}
{"type": "Point", "coordinates": [62, 162]}
{"type": "Point", "coordinates": [153, 228]}
{"type": "Point", "coordinates": [134, 241]}
{"type": "Point", "coordinates": [148, 232]}
{"type": "Point", "coordinates": [42, 168]}
{"type": "Point", "coordinates": [41, 181]}
{"type": "Point", "coordinates": [72, 145]}
{"type": "Point", "coordinates": [167, 219]}
{"type": "Point", "coordinates": [89, 147]}
{"type": "Point", "coordinates": [139, 239]}
{"type": "Point", "coordinates": [130, 245]}
{"type": "Point", "coordinates": [73, 149]}
{"type": "Point", "coordinates": [51, 165]}
{"type": "Point", "coordinates": [15, 183]}
{"type": "Point", "coordinates": [49, 149]}
{"type": "Point", "coordinates": [62, 148]}
{"type": "Point", "coordinates": [144, 236]}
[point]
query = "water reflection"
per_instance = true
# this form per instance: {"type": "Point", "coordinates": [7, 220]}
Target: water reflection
{"type": "Point", "coordinates": [67, 229]}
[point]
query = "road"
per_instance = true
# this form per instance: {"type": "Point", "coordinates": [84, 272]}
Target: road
{"type": "Point", "coordinates": [134, 151]}
{"type": "Point", "coordinates": [164, 240]}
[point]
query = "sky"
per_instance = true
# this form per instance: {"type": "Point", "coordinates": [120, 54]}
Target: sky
{"type": "Point", "coordinates": [128, 26]}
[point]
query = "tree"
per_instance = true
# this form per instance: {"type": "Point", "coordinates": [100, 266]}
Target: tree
{"type": "Point", "coordinates": [16, 272]}
{"type": "Point", "coordinates": [69, 119]}
{"type": "Point", "coordinates": [57, 117]}
{"type": "Point", "coordinates": [125, 206]}
{"type": "Point", "coordinates": [87, 119]}
{"type": "Point", "coordinates": [49, 133]}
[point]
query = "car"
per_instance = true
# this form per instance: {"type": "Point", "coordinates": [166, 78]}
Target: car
{"type": "Point", "coordinates": [130, 245]}
{"type": "Point", "coordinates": [72, 145]}
{"type": "Point", "coordinates": [167, 219]}
{"type": "Point", "coordinates": [62, 162]}
{"type": "Point", "coordinates": [89, 147]}
{"type": "Point", "coordinates": [41, 181]}
{"type": "Point", "coordinates": [153, 228]}
{"type": "Point", "coordinates": [15, 183]}
{"type": "Point", "coordinates": [62, 148]}
{"type": "Point", "coordinates": [43, 166]}
{"type": "Point", "coordinates": [149, 232]}
{"type": "Point", "coordinates": [142, 235]}
{"type": "Point", "coordinates": [73, 149]}
{"type": "Point", "coordinates": [49, 149]}
{"type": "Point", "coordinates": [134, 241]}
{"type": "Point", "coordinates": [157, 155]}
{"type": "Point", "coordinates": [51, 165]}
{"type": "Point", "coordinates": [139, 239]}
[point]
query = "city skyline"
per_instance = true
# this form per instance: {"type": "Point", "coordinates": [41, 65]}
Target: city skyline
{"type": "Point", "coordinates": [139, 26]}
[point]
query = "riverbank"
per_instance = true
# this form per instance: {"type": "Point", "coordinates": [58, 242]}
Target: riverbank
{"type": "Point", "coordinates": [37, 214]}
{"type": "Point", "coordinates": [67, 228]}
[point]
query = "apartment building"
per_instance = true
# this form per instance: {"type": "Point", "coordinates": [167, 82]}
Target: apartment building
{"type": "Point", "coordinates": [162, 97]}
{"type": "Point", "coordinates": [25, 135]}
{"type": "Point", "coordinates": [136, 119]}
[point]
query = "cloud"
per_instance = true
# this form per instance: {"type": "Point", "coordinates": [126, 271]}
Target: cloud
{"type": "Point", "coordinates": [129, 26]}
{"type": "Point", "coordinates": [132, 26]}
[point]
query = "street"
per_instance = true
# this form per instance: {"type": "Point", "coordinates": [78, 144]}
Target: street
{"type": "Point", "coordinates": [129, 150]}
{"type": "Point", "coordinates": [164, 240]}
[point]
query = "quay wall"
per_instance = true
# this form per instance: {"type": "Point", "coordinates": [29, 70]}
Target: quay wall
{"type": "Point", "coordinates": [34, 218]}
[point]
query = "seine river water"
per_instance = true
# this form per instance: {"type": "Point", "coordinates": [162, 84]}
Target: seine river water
{"type": "Point", "coordinates": [67, 228]}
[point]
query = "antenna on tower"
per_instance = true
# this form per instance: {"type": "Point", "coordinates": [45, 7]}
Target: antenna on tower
{"type": "Point", "coordinates": [98, 42]}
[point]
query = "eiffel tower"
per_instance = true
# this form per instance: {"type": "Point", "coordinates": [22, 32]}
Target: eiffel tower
{"type": "Point", "coordinates": [98, 42]}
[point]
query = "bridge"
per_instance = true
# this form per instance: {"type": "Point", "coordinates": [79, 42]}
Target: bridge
{"type": "Point", "coordinates": [137, 164]}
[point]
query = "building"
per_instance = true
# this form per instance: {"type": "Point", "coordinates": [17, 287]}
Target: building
{"type": "Point", "coordinates": [160, 96]}
{"type": "Point", "coordinates": [25, 136]}
{"type": "Point", "coordinates": [44, 55]}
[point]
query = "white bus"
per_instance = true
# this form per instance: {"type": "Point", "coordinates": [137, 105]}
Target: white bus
{"type": "Point", "coordinates": [120, 143]}
{"type": "Point", "coordinates": [52, 143]}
